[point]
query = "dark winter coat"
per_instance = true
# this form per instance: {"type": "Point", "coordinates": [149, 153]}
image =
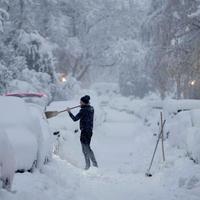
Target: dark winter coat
{"type": "Point", "coordinates": [86, 116]}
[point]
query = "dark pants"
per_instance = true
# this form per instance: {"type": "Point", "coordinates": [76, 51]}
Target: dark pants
{"type": "Point", "coordinates": [87, 151]}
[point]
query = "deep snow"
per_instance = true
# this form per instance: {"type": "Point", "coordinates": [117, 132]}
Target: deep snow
{"type": "Point", "coordinates": [123, 142]}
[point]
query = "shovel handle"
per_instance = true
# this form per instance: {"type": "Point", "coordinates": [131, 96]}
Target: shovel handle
{"type": "Point", "coordinates": [70, 109]}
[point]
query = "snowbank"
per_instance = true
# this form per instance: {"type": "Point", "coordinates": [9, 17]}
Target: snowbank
{"type": "Point", "coordinates": [184, 125]}
{"type": "Point", "coordinates": [178, 128]}
{"type": "Point", "coordinates": [182, 119]}
{"type": "Point", "coordinates": [193, 141]}
{"type": "Point", "coordinates": [123, 146]}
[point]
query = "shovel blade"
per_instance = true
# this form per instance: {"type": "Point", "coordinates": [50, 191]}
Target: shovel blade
{"type": "Point", "coordinates": [50, 114]}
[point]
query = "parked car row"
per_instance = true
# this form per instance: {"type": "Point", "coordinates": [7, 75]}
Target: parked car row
{"type": "Point", "coordinates": [25, 133]}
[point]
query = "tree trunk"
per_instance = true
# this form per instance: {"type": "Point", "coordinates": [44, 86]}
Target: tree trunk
{"type": "Point", "coordinates": [178, 87]}
{"type": "Point", "coordinates": [22, 5]}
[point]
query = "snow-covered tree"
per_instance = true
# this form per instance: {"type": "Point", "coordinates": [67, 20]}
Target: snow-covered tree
{"type": "Point", "coordinates": [3, 16]}
{"type": "Point", "coordinates": [170, 32]}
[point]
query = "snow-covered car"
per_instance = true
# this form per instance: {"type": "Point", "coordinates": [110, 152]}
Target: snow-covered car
{"type": "Point", "coordinates": [45, 137]}
{"type": "Point", "coordinates": [27, 131]}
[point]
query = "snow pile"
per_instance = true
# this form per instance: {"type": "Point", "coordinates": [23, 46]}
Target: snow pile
{"type": "Point", "coordinates": [139, 108]}
{"type": "Point", "coordinates": [172, 106]}
{"type": "Point", "coordinates": [178, 128]}
{"type": "Point", "coordinates": [183, 126]}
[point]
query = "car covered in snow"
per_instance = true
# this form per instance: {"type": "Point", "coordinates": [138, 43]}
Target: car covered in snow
{"type": "Point", "coordinates": [27, 131]}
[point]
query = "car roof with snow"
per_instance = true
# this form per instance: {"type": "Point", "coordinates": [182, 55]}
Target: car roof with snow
{"type": "Point", "coordinates": [31, 97]}
{"type": "Point", "coordinates": [26, 94]}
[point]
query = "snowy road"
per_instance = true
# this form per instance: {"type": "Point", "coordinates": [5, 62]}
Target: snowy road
{"type": "Point", "coordinates": [123, 147]}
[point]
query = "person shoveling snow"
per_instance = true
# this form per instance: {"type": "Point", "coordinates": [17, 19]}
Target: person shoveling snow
{"type": "Point", "coordinates": [86, 116]}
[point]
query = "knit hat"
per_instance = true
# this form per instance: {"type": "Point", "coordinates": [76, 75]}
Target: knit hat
{"type": "Point", "coordinates": [85, 99]}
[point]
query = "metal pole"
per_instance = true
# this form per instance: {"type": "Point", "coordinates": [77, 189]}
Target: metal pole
{"type": "Point", "coordinates": [162, 125]}
{"type": "Point", "coordinates": [162, 135]}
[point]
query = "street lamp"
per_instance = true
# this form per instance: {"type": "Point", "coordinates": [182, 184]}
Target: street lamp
{"type": "Point", "coordinates": [192, 82]}
{"type": "Point", "coordinates": [193, 85]}
{"type": "Point", "coordinates": [63, 77]}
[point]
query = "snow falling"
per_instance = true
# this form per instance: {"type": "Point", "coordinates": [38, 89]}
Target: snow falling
{"type": "Point", "coordinates": [138, 60]}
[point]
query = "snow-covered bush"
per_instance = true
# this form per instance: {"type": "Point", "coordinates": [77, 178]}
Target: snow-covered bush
{"type": "Point", "coordinates": [33, 65]}
{"type": "Point", "coordinates": [139, 108]}
{"type": "Point", "coordinates": [11, 67]}
{"type": "Point", "coordinates": [38, 52]}
{"type": "Point", "coordinates": [7, 161]}
{"type": "Point", "coordinates": [31, 81]}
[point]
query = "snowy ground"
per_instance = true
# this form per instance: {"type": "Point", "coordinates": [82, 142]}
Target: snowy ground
{"type": "Point", "coordinates": [123, 145]}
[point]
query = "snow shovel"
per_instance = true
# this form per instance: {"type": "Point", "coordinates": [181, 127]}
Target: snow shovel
{"type": "Point", "coordinates": [50, 114]}
{"type": "Point", "coordinates": [148, 174]}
